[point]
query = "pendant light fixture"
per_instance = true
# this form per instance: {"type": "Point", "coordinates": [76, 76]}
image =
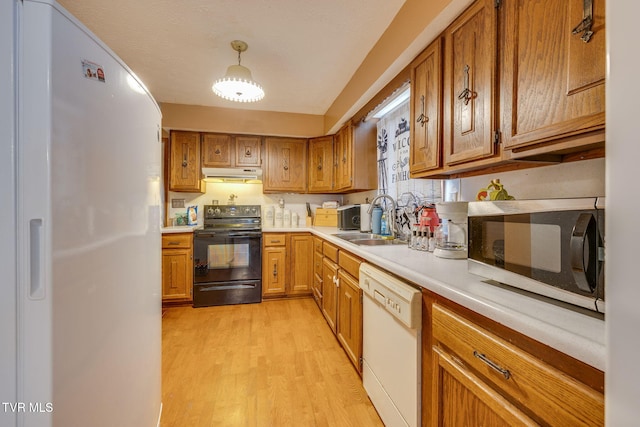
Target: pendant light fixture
{"type": "Point", "coordinates": [237, 84]}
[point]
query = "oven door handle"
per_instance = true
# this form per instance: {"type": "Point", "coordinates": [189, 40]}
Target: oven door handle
{"type": "Point", "coordinates": [583, 258]}
{"type": "Point", "coordinates": [246, 234]}
{"type": "Point", "coordinates": [211, 234]}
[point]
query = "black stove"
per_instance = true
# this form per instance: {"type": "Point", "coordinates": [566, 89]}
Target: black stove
{"type": "Point", "coordinates": [228, 256]}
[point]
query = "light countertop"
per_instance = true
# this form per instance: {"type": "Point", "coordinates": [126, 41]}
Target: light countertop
{"type": "Point", "coordinates": [179, 229]}
{"type": "Point", "coordinates": [579, 335]}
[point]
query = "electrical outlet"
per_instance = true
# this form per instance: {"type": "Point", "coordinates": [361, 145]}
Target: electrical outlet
{"type": "Point", "coordinates": [177, 203]}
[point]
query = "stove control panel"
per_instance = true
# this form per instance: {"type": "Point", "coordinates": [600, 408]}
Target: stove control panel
{"type": "Point", "coordinates": [231, 211]}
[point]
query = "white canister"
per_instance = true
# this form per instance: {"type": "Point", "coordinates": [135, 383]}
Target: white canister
{"type": "Point", "coordinates": [269, 216]}
{"type": "Point", "coordinates": [286, 218]}
{"type": "Point", "coordinates": [294, 219]}
{"type": "Point", "coordinates": [365, 218]}
{"type": "Point", "coordinates": [279, 215]}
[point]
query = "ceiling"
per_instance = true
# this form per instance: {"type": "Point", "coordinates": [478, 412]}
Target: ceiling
{"type": "Point", "coordinates": [303, 53]}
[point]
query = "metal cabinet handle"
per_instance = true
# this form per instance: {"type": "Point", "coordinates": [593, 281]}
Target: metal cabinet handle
{"type": "Point", "coordinates": [586, 24]}
{"type": "Point", "coordinates": [247, 152]}
{"type": "Point", "coordinates": [467, 94]}
{"type": "Point", "coordinates": [185, 156]}
{"type": "Point", "coordinates": [173, 243]}
{"type": "Point", "coordinates": [217, 151]}
{"type": "Point", "coordinates": [275, 270]}
{"type": "Point", "coordinates": [422, 119]}
{"type": "Point", "coordinates": [493, 365]}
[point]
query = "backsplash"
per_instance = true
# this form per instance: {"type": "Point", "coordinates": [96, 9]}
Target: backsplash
{"type": "Point", "coordinates": [566, 180]}
{"type": "Point", "coordinates": [249, 194]}
{"type": "Point", "coordinates": [575, 179]}
{"type": "Point", "coordinates": [584, 178]}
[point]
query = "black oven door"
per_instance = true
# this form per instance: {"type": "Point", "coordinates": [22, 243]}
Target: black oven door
{"type": "Point", "coordinates": [227, 268]}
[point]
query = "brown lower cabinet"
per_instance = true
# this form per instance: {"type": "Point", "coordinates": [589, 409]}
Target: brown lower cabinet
{"type": "Point", "coordinates": [286, 258]}
{"type": "Point", "coordinates": [177, 267]}
{"type": "Point", "coordinates": [475, 369]}
{"type": "Point", "coordinates": [340, 297]}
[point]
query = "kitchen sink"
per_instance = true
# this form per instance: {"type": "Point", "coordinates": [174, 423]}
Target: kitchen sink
{"type": "Point", "coordinates": [368, 239]}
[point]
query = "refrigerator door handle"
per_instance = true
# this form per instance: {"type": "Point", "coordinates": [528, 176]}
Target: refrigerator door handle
{"type": "Point", "coordinates": [36, 261]}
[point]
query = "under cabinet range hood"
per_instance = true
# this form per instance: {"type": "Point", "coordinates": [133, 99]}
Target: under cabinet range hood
{"type": "Point", "coordinates": [237, 175]}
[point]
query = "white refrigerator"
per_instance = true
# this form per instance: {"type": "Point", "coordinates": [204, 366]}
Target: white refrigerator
{"type": "Point", "coordinates": [80, 243]}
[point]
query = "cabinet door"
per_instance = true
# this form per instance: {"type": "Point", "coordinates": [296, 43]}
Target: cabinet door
{"type": "Point", "coordinates": [321, 165]}
{"type": "Point", "coordinates": [426, 105]}
{"type": "Point", "coordinates": [274, 271]}
{"type": "Point", "coordinates": [184, 162]}
{"type": "Point", "coordinates": [285, 165]}
{"type": "Point", "coordinates": [459, 398]}
{"type": "Point", "coordinates": [301, 259]}
{"type": "Point", "coordinates": [330, 293]}
{"type": "Point", "coordinates": [554, 82]}
{"type": "Point", "coordinates": [343, 158]}
{"type": "Point", "coordinates": [470, 84]}
{"type": "Point", "coordinates": [217, 150]}
{"type": "Point", "coordinates": [349, 327]}
{"type": "Point", "coordinates": [248, 151]}
{"type": "Point", "coordinates": [177, 274]}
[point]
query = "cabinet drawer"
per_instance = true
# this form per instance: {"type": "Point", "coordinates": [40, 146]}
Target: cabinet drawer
{"type": "Point", "coordinates": [317, 244]}
{"type": "Point", "coordinates": [553, 396]}
{"type": "Point", "coordinates": [330, 251]}
{"type": "Point", "coordinates": [350, 263]}
{"type": "Point", "coordinates": [177, 240]}
{"type": "Point", "coordinates": [272, 239]}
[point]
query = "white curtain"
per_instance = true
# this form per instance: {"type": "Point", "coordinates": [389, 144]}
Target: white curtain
{"type": "Point", "coordinates": [393, 152]}
{"type": "Point", "coordinates": [393, 169]}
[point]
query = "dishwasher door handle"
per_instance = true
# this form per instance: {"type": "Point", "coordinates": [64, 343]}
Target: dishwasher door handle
{"type": "Point", "coordinates": [380, 298]}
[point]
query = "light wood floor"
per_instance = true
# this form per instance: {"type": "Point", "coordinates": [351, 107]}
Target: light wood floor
{"type": "Point", "coordinates": [276, 363]}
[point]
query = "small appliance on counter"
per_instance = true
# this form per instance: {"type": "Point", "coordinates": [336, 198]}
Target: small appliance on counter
{"type": "Point", "coordinates": [451, 234]}
{"type": "Point", "coordinates": [553, 247]}
{"type": "Point", "coordinates": [349, 217]}
{"type": "Point", "coordinates": [365, 219]}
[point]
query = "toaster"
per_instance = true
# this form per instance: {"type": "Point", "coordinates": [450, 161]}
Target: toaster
{"type": "Point", "coordinates": [349, 217]}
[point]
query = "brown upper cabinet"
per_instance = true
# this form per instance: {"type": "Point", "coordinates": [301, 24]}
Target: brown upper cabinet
{"type": "Point", "coordinates": [285, 165]}
{"type": "Point", "coordinates": [518, 84]}
{"type": "Point", "coordinates": [217, 150]}
{"type": "Point", "coordinates": [470, 84]}
{"type": "Point", "coordinates": [248, 151]}
{"type": "Point", "coordinates": [223, 150]}
{"type": "Point", "coordinates": [426, 108]}
{"type": "Point", "coordinates": [321, 164]}
{"type": "Point", "coordinates": [553, 81]}
{"type": "Point", "coordinates": [355, 158]}
{"type": "Point", "coordinates": [185, 170]}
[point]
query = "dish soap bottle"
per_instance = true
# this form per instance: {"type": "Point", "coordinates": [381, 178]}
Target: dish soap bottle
{"type": "Point", "coordinates": [384, 225]}
{"type": "Point", "coordinates": [376, 218]}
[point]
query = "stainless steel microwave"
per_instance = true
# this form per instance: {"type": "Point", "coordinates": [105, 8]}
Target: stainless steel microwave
{"type": "Point", "coordinates": [551, 247]}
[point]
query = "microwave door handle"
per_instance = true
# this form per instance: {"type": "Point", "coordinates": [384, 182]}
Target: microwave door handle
{"type": "Point", "coordinates": [584, 233]}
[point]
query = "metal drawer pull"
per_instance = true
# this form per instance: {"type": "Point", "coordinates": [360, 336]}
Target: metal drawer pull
{"type": "Point", "coordinates": [492, 364]}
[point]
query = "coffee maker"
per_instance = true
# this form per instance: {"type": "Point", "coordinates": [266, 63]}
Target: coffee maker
{"type": "Point", "coordinates": [451, 234]}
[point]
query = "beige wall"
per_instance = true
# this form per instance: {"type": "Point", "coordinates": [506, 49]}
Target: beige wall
{"type": "Point", "coordinates": [216, 119]}
{"type": "Point", "coordinates": [417, 24]}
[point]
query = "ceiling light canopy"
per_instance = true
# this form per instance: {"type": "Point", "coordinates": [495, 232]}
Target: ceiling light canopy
{"type": "Point", "coordinates": [237, 84]}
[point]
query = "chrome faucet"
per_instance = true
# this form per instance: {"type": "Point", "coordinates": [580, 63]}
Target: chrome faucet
{"type": "Point", "coordinates": [391, 212]}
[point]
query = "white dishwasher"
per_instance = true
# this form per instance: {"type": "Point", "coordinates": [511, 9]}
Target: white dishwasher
{"type": "Point", "coordinates": [391, 348]}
